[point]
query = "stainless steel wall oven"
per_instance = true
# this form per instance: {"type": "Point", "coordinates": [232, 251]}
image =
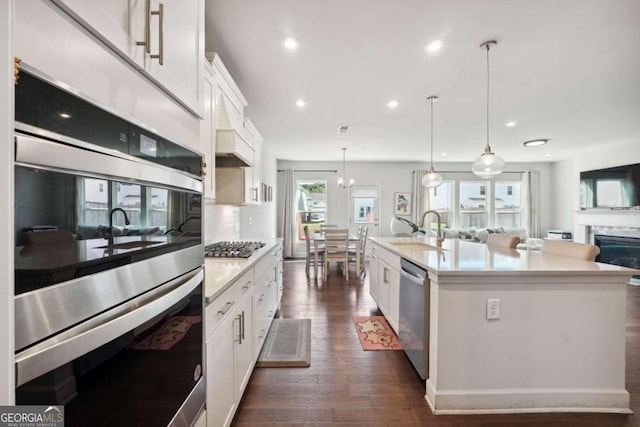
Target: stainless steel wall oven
{"type": "Point", "coordinates": [108, 263]}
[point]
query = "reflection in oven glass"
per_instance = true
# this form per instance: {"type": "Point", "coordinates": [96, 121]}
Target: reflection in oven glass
{"type": "Point", "coordinates": [138, 379]}
{"type": "Point", "coordinates": [68, 226]}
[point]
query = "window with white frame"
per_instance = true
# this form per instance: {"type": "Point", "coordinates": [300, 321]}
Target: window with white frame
{"type": "Point", "coordinates": [466, 203]}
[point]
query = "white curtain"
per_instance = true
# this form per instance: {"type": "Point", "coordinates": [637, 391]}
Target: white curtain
{"type": "Point", "coordinates": [289, 222]}
{"type": "Point", "coordinates": [531, 181]}
{"type": "Point", "coordinates": [420, 195]}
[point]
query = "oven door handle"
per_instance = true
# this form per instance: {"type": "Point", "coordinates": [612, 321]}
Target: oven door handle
{"type": "Point", "coordinates": [89, 335]}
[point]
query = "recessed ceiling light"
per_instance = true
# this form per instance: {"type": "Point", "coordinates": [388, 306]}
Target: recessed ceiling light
{"type": "Point", "coordinates": [392, 104]}
{"type": "Point", "coordinates": [511, 124]}
{"type": "Point", "coordinates": [433, 46]}
{"type": "Point", "coordinates": [301, 103]}
{"type": "Point", "coordinates": [291, 43]}
{"type": "Point", "coordinates": [547, 155]}
{"type": "Point", "coordinates": [443, 154]}
{"type": "Point", "coordinates": [65, 115]}
{"type": "Point", "coordinates": [535, 142]}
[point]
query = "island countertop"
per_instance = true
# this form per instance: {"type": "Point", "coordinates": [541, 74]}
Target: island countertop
{"type": "Point", "coordinates": [460, 257]}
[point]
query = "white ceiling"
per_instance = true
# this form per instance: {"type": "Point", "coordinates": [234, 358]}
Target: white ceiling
{"type": "Point", "coordinates": [566, 70]}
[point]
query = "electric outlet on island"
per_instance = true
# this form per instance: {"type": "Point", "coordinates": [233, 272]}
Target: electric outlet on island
{"type": "Point", "coordinates": [493, 309]}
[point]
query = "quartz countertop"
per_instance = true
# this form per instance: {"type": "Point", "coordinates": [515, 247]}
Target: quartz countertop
{"type": "Point", "coordinates": [220, 273]}
{"type": "Point", "coordinates": [460, 257]}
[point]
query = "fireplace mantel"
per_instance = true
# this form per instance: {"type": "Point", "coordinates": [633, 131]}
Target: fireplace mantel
{"type": "Point", "coordinates": [585, 219]}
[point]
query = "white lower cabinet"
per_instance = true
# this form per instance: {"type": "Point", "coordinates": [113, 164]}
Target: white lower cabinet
{"type": "Point", "coordinates": [221, 401]}
{"type": "Point", "coordinates": [384, 283]}
{"type": "Point", "coordinates": [237, 323]}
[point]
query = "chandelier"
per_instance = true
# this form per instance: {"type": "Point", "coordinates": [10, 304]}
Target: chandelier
{"type": "Point", "coordinates": [342, 180]}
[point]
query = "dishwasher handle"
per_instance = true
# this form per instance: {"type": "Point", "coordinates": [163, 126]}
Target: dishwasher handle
{"type": "Point", "coordinates": [412, 272]}
{"type": "Point", "coordinates": [412, 277]}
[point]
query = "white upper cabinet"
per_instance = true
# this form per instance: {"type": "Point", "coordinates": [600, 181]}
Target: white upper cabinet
{"type": "Point", "coordinates": [162, 38]}
{"type": "Point", "coordinates": [253, 175]}
{"type": "Point", "coordinates": [208, 130]}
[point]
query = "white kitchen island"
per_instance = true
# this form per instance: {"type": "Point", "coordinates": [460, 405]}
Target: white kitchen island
{"type": "Point", "coordinates": [559, 344]}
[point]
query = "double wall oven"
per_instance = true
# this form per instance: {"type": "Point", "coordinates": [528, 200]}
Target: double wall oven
{"type": "Point", "coordinates": [108, 263]}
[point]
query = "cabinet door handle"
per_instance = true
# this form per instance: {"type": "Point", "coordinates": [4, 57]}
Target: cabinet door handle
{"type": "Point", "coordinates": [160, 55]}
{"type": "Point", "coordinates": [147, 28]}
{"type": "Point", "coordinates": [248, 285]}
{"type": "Point", "coordinates": [256, 192]}
{"type": "Point", "coordinates": [261, 298]}
{"type": "Point", "coordinates": [242, 326]}
{"type": "Point", "coordinates": [226, 308]}
{"type": "Point", "coordinates": [239, 340]}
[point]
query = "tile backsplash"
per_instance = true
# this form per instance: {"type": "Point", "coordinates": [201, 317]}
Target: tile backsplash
{"type": "Point", "coordinates": [222, 222]}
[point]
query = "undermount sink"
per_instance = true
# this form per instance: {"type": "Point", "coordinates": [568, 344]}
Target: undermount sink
{"type": "Point", "coordinates": [417, 246]}
{"type": "Point", "coordinates": [129, 245]}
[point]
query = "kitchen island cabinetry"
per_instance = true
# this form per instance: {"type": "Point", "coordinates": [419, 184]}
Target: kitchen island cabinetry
{"type": "Point", "coordinates": [163, 39]}
{"type": "Point", "coordinates": [241, 302]}
{"type": "Point", "coordinates": [386, 283]}
{"type": "Point", "coordinates": [556, 343]}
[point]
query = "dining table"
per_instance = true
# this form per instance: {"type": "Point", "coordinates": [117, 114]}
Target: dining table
{"type": "Point", "coordinates": [318, 239]}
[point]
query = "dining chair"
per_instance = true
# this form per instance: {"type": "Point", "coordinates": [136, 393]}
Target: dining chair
{"type": "Point", "coordinates": [328, 227]}
{"type": "Point", "coordinates": [336, 248]}
{"type": "Point", "coordinates": [501, 240]}
{"type": "Point", "coordinates": [570, 249]}
{"type": "Point", "coordinates": [311, 252]}
{"type": "Point", "coordinates": [353, 250]}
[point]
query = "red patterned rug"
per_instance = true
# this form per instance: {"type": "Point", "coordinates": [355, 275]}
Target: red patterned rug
{"type": "Point", "coordinates": [375, 333]}
{"type": "Point", "coordinates": [169, 334]}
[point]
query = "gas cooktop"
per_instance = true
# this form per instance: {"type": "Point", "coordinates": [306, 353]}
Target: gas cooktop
{"type": "Point", "coordinates": [232, 249]}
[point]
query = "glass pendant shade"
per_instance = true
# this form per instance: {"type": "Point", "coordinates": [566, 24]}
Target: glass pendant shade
{"type": "Point", "coordinates": [487, 165]}
{"type": "Point", "coordinates": [432, 179]}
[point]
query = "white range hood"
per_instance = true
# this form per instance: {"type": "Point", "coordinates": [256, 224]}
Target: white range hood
{"type": "Point", "coordinates": [234, 147]}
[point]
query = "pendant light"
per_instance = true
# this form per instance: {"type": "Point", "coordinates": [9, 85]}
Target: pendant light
{"type": "Point", "coordinates": [341, 180]}
{"type": "Point", "coordinates": [488, 164]}
{"type": "Point", "coordinates": [432, 179]}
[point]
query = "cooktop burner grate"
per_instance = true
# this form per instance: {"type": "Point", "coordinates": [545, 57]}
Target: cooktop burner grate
{"type": "Point", "coordinates": [232, 249]}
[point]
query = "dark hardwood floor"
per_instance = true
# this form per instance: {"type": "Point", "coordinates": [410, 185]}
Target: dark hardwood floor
{"type": "Point", "coordinates": [348, 387]}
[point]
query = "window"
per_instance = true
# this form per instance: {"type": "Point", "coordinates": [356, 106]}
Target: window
{"type": "Point", "coordinates": [441, 200]}
{"type": "Point", "coordinates": [473, 209]}
{"type": "Point", "coordinates": [311, 206]}
{"type": "Point", "coordinates": [145, 206]}
{"type": "Point", "coordinates": [508, 205]}
{"type": "Point", "coordinates": [467, 204]}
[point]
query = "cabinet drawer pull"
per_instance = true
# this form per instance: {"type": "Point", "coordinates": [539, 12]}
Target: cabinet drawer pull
{"type": "Point", "coordinates": [261, 298]}
{"type": "Point", "coordinates": [248, 285]}
{"type": "Point", "coordinates": [226, 307]}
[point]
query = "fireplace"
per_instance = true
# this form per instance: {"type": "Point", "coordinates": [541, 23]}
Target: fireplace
{"type": "Point", "coordinates": [619, 250]}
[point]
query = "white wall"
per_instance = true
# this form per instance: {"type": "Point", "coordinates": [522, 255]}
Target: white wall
{"type": "Point", "coordinates": [394, 177]}
{"type": "Point", "coordinates": [6, 195]}
{"type": "Point", "coordinates": [565, 176]}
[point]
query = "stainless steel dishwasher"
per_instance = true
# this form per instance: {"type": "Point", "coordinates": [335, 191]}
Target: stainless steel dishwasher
{"type": "Point", "coordinates": [413, 328]}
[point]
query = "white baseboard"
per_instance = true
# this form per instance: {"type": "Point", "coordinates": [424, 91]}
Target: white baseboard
{"type": "Point", "coordinates": [514, 401]}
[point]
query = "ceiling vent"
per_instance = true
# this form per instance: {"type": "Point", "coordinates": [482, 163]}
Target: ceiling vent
{"type": "Point", "coordinates": [344, 129]}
